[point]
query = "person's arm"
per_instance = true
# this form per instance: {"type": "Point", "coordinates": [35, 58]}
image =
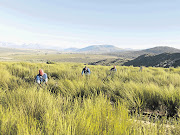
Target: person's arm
{"type": "Point", "coordinates": [89, 71]}
{"type": "Point", "coordinates": [82, 72]}
{"type": "Point", "coordinates": [45, 78]}
{"type": "Point", "coordinates": [38, 80]}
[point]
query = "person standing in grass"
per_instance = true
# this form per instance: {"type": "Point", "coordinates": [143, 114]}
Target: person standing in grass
{"type": "Point", "coordinates": [141, 69]}
{"type": "Point", "coordinates": [86, 71]}
{"type": "Point", "coordinates": [41, 78]}
{"type": "Point", "coordinates": [113, 69]}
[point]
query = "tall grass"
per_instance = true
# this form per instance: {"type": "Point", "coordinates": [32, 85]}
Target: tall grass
{"type": "Point", "coordinates": [97, 104]}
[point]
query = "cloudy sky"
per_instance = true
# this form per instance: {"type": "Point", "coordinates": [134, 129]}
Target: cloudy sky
{"type": "Point", "coordinates": [134, 24]}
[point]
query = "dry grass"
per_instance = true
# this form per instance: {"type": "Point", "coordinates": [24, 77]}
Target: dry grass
{"type": "Point", "coordinates": [95, 104]}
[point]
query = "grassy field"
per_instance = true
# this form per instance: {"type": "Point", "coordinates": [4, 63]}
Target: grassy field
{"type": "Point", "coordinates": [102, 103]}
{"type": "Point", "coordinates": [10, 54]}
{"type": "Point", "coordinates": [34, 56]}
{"type": "Point", "coordinates": [78, 58]}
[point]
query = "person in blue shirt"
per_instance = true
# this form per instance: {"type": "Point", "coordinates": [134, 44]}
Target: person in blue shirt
{"type": "Point", "coordinates": [86, 71]}
{"type": "Point", "coordinates": [113, 69]}
{"type": "Point", "coordinates": [41, 78]}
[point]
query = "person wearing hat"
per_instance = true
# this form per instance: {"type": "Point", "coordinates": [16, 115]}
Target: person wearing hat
{"type": "Point", "coordinates": [41, 78]}
{"type": "Point", "coordinates": [86, 71]}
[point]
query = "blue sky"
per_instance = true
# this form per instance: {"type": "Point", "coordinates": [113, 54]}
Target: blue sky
{"type": "Point", "coordinates": [134, 24]}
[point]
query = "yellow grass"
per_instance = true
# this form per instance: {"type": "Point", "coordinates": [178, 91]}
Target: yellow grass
{"type": "Point", "coordinates": [102, 103]}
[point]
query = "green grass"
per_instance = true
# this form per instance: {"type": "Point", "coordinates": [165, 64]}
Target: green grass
{"type": "Point", "coordinates": [102, 103]}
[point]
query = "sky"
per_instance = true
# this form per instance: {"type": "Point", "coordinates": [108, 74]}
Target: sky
{"type": "Point", "coordinates": [136, 24]}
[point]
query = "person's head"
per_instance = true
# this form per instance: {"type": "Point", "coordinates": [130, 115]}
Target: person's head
{"type": "Point", "coordinates": [85, 67]}
{"type": "Point", "coordinates": [41, 72]}
{"type": "Point", "coordinates": [114, 67]}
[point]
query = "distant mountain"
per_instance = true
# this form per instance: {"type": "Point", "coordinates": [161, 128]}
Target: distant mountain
{"type": "Point", "coordinates": [70, 50]}
{"type": "Point", "coordinates": [93, 49]}
{"type": "Point", "coordinates": [90, 49]}
{"type": "Point", "coordinates": [154, 51]}
{"type": "Point", "coordinates": [8, 45]}
{"type": "Point", "coordinates": [29, 46]}
{"type": "Point", "coordinates": [161, 60]}
{"type": "Point", "coordinates": [99, 49]}
{"type": "Point", "coordinates": [39, 47]}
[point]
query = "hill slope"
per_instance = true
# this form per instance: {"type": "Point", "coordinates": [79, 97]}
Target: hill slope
{"type": "Point", "coordinates": [110, 62]}
{"type": "Point", "coordinates": [162, 60]}
{"type": "Point", "coordinates": [154, 51]}
{"type": "Point", "coordinates": [161, 49]}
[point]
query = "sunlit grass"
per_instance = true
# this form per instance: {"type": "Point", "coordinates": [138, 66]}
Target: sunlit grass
{"type": "Point", "coordinates": [102, 103]}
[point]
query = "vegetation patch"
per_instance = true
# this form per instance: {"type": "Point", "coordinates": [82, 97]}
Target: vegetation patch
{"type": "Point", "coordinates": [124, 102]}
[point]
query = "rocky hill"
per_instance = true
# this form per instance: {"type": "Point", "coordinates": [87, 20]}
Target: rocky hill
{"type": "Point", "coordinates": [110, 62]}
{"type": "Point", "coordinates": [153, 51]}
{"type": "Point", "coordinates": [165, 60]}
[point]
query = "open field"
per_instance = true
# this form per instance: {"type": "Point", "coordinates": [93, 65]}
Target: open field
{"type": "Point", "coordinates": [80, 58]}
{"type": "Point", "coordinates": [10, 54]}
{"type": "Point", "coordinates": [102, 103]}
{"type": "Point", "coordinates": [35, 55]}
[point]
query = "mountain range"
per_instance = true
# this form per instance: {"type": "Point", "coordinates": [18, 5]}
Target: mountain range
{"type": "Point", "coordinates": [34, 46]}
{"type": "Point", "coordinates": [123, 53]}
{"type": "Point", "coordinates": [95, 49]}
{"type": "Point", "coordinates": [161, 56]}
